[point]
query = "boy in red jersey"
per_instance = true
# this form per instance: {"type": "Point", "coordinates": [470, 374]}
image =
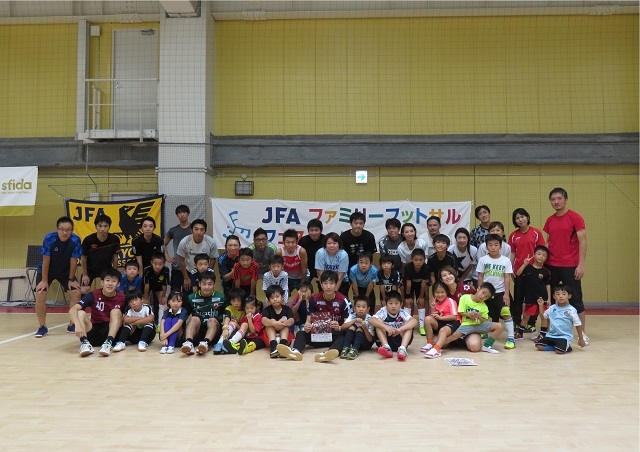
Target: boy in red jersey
{"type": "Point", "coordinates": [106, 316]}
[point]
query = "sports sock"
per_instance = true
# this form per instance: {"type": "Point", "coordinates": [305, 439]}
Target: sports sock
{"type": "Point", "coordinates": [489, 342]}
{"type": "Point", "coordinates": [236, 337]}
{"type": "Point", "coordinates": [421, 315]}
{"type": "Point", "coordinates": [520, 328]}
{"type": "Point", "coordinates": [84, 339]}
{"type": "Point", "coordinates": [430, 341]}
{"type": "Point", "coordinates": [437, 347]}
{"type": "Point", "coordinates": [284, 341]}
{"type": "Point", "coordinates": [206, 341]}
{"type": "Point", "coordinates": [109, 339]}
{"type": "Point", "coordinates": [189, 339]}
{"type": "Point", "coordinates": [272, 345]}
{"type": "Point", "coordinates": [544, 330]}
{"type": "Point", "coordinates": [407, 310]}
{"type": "Point", "coordinates": [508, 323]}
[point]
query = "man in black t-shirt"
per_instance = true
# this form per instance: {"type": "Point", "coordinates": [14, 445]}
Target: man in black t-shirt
{"type": "Point", "coordinates": [312, 242]}
{"type": "Point", "coordinates": [146, 244]}
{"type": "Point", "coordinates": [99, 252]}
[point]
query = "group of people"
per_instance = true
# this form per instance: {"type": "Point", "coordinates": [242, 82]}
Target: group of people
{"type": "Point", "coordinates": [461, 291]}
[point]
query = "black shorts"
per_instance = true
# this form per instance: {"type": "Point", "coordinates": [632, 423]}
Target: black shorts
{"type": "Point", "coordinates": [495, 305]}
{"type": "Point", "coordinates": [202, 332]}
{"type": "Point", "coordinates": [63, 280]}
{"type": "Point", "coordinates": [566, 276]}
{"type": "Point", "coordinates": [98, 334]}
{"type": "Point", "coordinates": [396, 341]}
{"type": "Point", "coordinates": [562, 345]}
{"type": "Point", "coordinates": [452, 324]}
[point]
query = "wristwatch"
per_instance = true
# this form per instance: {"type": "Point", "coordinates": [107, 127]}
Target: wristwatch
{"type": "Point", "coordinates": [73, 279]}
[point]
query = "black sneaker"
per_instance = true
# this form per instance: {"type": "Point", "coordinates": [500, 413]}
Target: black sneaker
{"type": "Point", "coordinates": [274, 354]}
{"type": "Point", "coordinates": [529, 329]}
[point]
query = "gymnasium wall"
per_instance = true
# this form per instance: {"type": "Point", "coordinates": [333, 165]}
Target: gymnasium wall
{"type": "Point", "coordinates": [456, 75]}
{"type": "Point", "coordinates": [38, 80]}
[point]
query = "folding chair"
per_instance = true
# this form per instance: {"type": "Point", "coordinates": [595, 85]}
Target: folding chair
{"type": "Point", "coordinates": [33, 259]}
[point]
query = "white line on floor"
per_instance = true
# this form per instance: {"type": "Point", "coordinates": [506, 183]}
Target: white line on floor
{"type": "Point", "coordinates": [30, 334]}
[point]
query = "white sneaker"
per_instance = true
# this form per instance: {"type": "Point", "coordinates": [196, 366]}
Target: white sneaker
{"type": "Point", "coordinates": [433, 353]}
{"type": "Point", "coordinates": [163, 350]}
{"type": "Point", "coordinates": [327, 356]}
{"type": "Point", "coordinates": [203, 348]}
{"type": "Point", "coordinates": [402, 353]}
{"type": "Point", "coordinates": [86, 349]}
{"type": "Point", "coordinates": [142, 346]}
{"type": "Point", "coordinates": [105, 350]}
{"type": "Point", "coordinates": [288, 352]}
{"type": "Point", "coordinates": [426, 348]}
{"type": "Point", "coordinates": [585, 338]}
{"type": "Point", "coordinates": [187, 347]}
{"type": "Point", "coordinates": [489, 349]}
{"type": "Point", "coordinates": [119, 347]}
{"type": "Point", "coordinates": [170, 350]}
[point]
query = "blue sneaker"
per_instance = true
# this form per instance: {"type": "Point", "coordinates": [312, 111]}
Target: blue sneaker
{"type": "Point", "coordinates": [217, 349]}
{"type": "Point", "coordinates": [42, 331]}
{"type": "Point", "coordinates": [71, 328]}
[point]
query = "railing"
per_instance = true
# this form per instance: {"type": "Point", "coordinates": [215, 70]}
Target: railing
{"type": "Point", "coordinates": [121, 108]}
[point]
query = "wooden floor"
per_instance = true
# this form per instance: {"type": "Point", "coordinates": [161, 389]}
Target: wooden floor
{"type": "Point", "coordinates": [519, 400]}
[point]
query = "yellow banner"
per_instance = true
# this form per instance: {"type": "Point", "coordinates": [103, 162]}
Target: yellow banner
{"type": "Point", "coordinates": [126, 219]}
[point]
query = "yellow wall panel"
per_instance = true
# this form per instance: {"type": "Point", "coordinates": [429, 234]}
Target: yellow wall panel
{"type": "Point", "coordinates": [395, 70]}
{"type": "Point", "coordinates": [39, 80]}
{"type": "Point", "coordinates": [533, 74]}
{"type": "Point", "coordinates": [331, 77]}
{"type": "Point", "coordinates": [363, 78]}
{"type": "Point", "coordinates": [299, 78]}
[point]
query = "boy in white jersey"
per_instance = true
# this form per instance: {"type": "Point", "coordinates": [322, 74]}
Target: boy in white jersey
{"type": "Point", "coordinates": [562, 318]}
{"type": "Point", "coordinates": [394, 327]}
{"type": "Point", "coordinates": [496, 269]}
{"type": "Point", "coordinates": [138, 323]}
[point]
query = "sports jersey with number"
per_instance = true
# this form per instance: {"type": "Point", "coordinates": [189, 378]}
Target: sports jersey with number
{"type": "Point", "coordinates": [101, 305]}
{"type": "Point", "coordinates": [394, 321]}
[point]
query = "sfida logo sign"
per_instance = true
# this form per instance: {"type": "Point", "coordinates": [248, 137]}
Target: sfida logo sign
{"type": "Point", "coordinates": [17, 186]}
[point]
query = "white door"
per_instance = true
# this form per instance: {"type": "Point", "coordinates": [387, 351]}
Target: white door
{"type": "Point", "coordinates": [135, 57]}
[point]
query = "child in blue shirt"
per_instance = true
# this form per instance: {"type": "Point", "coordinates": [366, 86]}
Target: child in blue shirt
{"type": "Point", "coordinates": [363, 277]}
{"type": "Point", "coordinates": [562, 318]}
{"type": "Point", "coordinates": [131, 281]}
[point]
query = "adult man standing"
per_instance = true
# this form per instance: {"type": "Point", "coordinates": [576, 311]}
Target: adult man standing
{"type": "Point", "coordinates": [196, 243]}
{"type": "Point", "coordinates": [60, 252]}
{"type": "Point", "coordinates": [567, 243]}
{"type": "Point", "coordinates": [177, 233]}
{"type": "Point", "coordinates": [99, 252]}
